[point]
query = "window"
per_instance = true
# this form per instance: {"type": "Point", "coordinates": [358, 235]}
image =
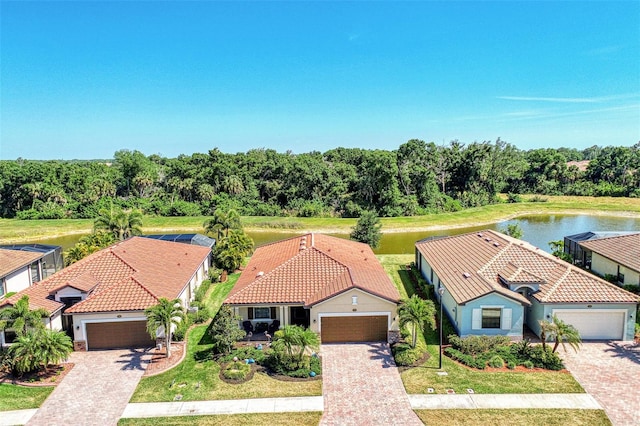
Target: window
{"type": "Point", "coordinates": [620, 276]}
{"type": "Point", "coordinates": [354, 300]}
{"type": "Point", "coordinates": [491, 317]}
{"type": "Point", "coordinates": [2, 287]}
{"type": "Point", "coordinates": [262, 313]}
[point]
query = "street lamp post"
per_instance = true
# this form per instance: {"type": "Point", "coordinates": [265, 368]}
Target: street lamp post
{"type": "Point", "coordinates": [441, 293]}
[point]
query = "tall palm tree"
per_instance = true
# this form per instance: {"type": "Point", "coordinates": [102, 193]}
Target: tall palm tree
{"type": "Point", "coordinates": [293, 341]}
{"type": "Point", "coordinates": [416, 313]}
{"type": "Point", "coordinates": [21, 318]}
{"type": "Point", "coordinates": [161, 317]}
{"type": "Point", "coordinates": [122, 224]}
{"type": "Point", "coordinates": [222, 222]}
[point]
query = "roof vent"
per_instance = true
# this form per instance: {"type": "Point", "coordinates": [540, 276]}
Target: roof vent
{"type": "Point", "coordinates": [466, 275]}
{"type": "Point", "coordinates": [480, 234]}
{"type": "Point", "coordinates": [259, 274]}
{"type": "Point", "coordinates": [496, 244]}
{"type": "Point", "coordinates": [487, 239]}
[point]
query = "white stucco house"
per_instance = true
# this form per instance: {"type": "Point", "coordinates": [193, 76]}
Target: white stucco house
{"type": "Point", "coordinates": [615, 256]}
{"type": "Point", "coordinates": [495, 285]}
{"type": "Point", "coordinates": [21, 265]}
{"type": "Point", "coordinates": [333, 286]}
{"type": "Point", "coordinates": [100, 300]}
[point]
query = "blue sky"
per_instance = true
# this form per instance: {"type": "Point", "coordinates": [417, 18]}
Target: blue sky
{"type": "Point", "coordinates": [84, 79]}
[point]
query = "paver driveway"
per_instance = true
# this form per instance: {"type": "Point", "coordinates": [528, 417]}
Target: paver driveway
{"type": "Point", "coordinates": [609, 371]}
{"type": "Point", "coordinates": [361, 386]}
{"type": "Point", "coordinates": [96, 391]}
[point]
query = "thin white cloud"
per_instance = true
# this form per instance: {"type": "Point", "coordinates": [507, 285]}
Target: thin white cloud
{"type": "Point", "coordinates": [544, 99]}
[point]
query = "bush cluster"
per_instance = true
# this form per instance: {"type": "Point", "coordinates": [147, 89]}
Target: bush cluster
{"type": "Point", "coordinates": [236, 370]}
{"type": "Point", "coordinates": [406, 356]}
{"type": "Point", "coordinates": [496, 351]}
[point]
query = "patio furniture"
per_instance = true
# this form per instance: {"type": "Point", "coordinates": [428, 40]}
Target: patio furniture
{"type": "Point", "coordinates": [248, 327]}
{"type": "Point", "coordinates": [274, 326]}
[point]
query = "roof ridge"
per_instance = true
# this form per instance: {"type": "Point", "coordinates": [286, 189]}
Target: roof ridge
{"type": "Point", "coordinates": [631, 234]}
{"type": "Point", "coordinates": [555, 286]}
{"type": "Point", "coordinates": [144, 287]}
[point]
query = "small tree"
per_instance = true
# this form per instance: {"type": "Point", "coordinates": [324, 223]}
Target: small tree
{"type": "Point", "coordinates": [416, 313]}
{"type": "Point", "coordinates": [561, 333]}
{"type": "Point", "coordinates": [367, 229]}
{"type": "Point", "coordinates": [291, 342]}
{"type": "Point", "coordinates": [21, 318]}
{"type": "Point", "coordinates": [231, 250]}
{"type": "Point", "coordinates": [161, 317]}
{"type": "Point", "coordinates": [513, 230]}
{"type": "Point", "coordinates": [38, 348]}
{"type": "Point", "coordinates": [557, 249]}
{"type": "Point", "coordinates": [224, 330]}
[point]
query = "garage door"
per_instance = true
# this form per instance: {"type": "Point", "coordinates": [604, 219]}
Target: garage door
{"type": "Point", "coordinates": [353, 329]}
{"type": "Point", "coordinates": [595, 325]}
{"type": "Point", "coordinates": [123, 334]}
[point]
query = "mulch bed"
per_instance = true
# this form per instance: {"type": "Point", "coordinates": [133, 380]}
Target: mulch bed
{"type": "Point", "coordinates": [252, 371]}
{"type": "Point", "coordinates": [159, 362]}
{"type": "Point", "coordinates": [51, 377]}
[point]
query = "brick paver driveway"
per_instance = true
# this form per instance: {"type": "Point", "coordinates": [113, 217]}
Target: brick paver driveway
{"type": "Point", "coordinates": [609, 371]}
{"type": "Point", "coordinates": [362, 386]}
{"type": "Point", "coordinates": [96, 391]}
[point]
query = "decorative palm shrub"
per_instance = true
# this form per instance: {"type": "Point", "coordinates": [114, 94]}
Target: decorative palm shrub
{"type": "Point", "coordinates": [236, 370]}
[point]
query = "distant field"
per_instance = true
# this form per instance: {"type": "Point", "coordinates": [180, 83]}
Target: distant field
{"type": "Point", "coordinates": [12, 230]}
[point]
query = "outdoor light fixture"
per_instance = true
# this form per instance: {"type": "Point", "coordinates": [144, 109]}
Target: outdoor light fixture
{"type": "Point", "coordinates": [441, 293]}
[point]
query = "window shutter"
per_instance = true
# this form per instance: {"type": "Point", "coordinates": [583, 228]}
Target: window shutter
{"type": "Point", "coordinates": [476, 321]}
{"type": "Point", "coordinates": [506, 318]}
{"type": "Point", "coordinates": [273, 312]}
{"type": "Point", "coordinates": [250, 313]}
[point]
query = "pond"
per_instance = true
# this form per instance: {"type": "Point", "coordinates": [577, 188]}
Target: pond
{"type": "Point", "coordinates": [538, 230]}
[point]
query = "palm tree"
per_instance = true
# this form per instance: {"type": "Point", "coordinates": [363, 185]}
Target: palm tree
{"type": "Point", "coordinates": [21, 318]}
{"type": "Point", "coordinates": [54, 346]}
{"type": "Point", "coordinates": [233, 185]}
{"type": "Point", "coordinates": [122, 224]}
{"type": "Point", "coordinates": [25, 353]}
{"type": "Point", "coordinates": [293, 341]}
{"type": "Point", "coordinates": [563, 333]}
{"type": "Point", "coordinates": [307, 339]}
{"type": "Point", "coordinates": [222, 221]}
{"type": "Point", "coordinates": [161, 317]}
{"type": "Point", "coordinates": [416, 312]}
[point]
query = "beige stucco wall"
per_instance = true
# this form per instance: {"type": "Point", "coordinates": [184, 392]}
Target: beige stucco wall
{"type": "Point", "coordinates": [343, 304]}
{"type": "Point", "coordinates": [55, 322]}
{"type": "Point", "coordinates": [603, 266]}
{"type": "Point", "coordinates": [18, 280]}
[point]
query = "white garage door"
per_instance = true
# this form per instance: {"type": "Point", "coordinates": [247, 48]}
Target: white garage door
{"type": "Point", "coordinates": [595, 325]}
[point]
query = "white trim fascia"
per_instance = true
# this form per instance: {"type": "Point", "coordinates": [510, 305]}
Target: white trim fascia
{"type": "Point", "coordinates": [358, 289]}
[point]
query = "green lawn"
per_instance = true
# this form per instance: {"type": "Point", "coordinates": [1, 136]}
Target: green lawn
{"type": "Point", "coordinates": [513, 417]}
{"type": "Point", "coordinates": [460, 378]}
{"type": "Point", "coordinates": [199, 380]}
{"type": "Point", "coordinates": [22, 230]}
{"type": "Point", "coordinates": [310, 418]}
{"type": "Point", "coordinates": [13, 397]}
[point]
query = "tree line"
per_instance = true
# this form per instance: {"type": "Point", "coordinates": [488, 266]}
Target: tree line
{"type": "Point", "coordinates": [417, 178]}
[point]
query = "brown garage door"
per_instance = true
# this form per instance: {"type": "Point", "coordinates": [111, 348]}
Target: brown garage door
{"type": "Point", "coordinates": [124, 334]}
{"type": "Point", "coordinates": [353, 329]}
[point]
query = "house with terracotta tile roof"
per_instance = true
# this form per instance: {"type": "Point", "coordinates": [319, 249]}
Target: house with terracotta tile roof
{"type": "Point", "coordinates": [21, 265]}
{"type": "Point", "coordinates": [617, 256]}
{"type": "Point", "coordinates": [100, 300]}
{"type": "Point", "coordinates": [495, 285]}
{"type": "Point", "coordinates": [334, 286]}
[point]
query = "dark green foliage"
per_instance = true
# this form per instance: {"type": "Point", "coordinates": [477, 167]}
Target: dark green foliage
{"type": "Point", "coordinates": [246, 352]}
{"type": "Point", "coordinates": [224, 330]}
{"type": "Point", "coordinates": [417, 178]}
{"type": "Point", "coordinates": [495, 351]}
{"type": "Point", "coordinates": [367, 229]}
{"type": "Point", "coordinates": [405, 355]}
{"type": "Point", "coordinates": [202, 290]}
{"type": "Point", "coordinates": [514, 198]}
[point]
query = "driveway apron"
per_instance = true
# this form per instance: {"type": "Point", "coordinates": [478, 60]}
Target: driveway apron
{"type": "Point", "coordinates": [96, 391]}
{"type": "Point", "coordinates": [362, 386]}
{"type": "Point", "coordinates": [609, 371]}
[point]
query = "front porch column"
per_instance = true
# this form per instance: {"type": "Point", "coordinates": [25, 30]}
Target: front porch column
{"type": "Point", "coordinates": [282, 314]}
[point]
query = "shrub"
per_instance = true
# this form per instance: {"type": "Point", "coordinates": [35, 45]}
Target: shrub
{"type": "Point", "coordinates": [473, 345]}
{"type": "Point", "coordinates": [467, 360]}
{"type": "Point", "coordinates": [538, 199]}
{"type": "Point", "coordinates": [405, 355]}
{"type": "Point", "coordinates": [496, 361]}
{"type": "Point", "coordinates": [215, 274]}
{"type": "Point", "coordinates": [181, 330]}
{"type": "Point", "coordinates": [637, 332]}
{"type": "Point", "coordinates": [545, 358]}
{"type": "Point", "coordinates": [236, 370]}
{"type": "Point", "coordinates": [528, 364]}
{"type": "Point", "coordinates": [511, 365]}
{"type": "Point", "coordinates": [247, 352]}
{"type": "Point", "coordinates": [514, 198]}
{"type": "Point", "coordinates": [201, 292]}
{"type": "Point", "coordinates": [199, 316]}
{"type": "Point", "coordinates": [632, 288]}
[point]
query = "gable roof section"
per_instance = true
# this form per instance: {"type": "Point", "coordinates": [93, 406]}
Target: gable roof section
{"type": "Point", "coordinates": [13, 260]}
{"type": "Point", "coordinates": [129, 275]}
{"type": "Point", "coordinates": [622, 249]}
{"type": "Point", "coordinates": [309, 269]}
{"type": "Point", "coordinates": [486, 255]}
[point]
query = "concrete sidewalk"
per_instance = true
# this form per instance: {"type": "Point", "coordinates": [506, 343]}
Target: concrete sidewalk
{"type": "Point", "coordinates": [582, 401]}
{"type": "Point", "coordinates": [16, 417]}
{"type": "Point", "coordinates": [238, 406]}
{"type": "Point", "coordinates": [315, 403]}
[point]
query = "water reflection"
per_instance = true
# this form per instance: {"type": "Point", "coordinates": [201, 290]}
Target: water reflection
{"type": "Point", "coordinates": [538, 230]}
